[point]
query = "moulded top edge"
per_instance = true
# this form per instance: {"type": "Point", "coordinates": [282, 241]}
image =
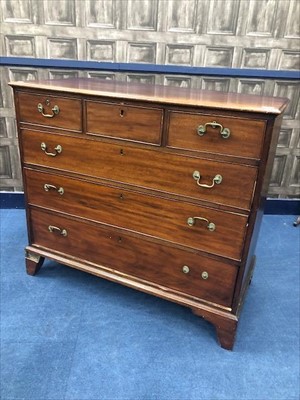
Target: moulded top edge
{"type": "Point", "coordinates": [161, 94]}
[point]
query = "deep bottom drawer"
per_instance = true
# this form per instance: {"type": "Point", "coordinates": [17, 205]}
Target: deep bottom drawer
{"type": "Point", "coordinates": [173, 268]}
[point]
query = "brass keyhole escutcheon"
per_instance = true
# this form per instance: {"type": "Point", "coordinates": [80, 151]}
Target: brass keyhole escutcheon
{"type": "Point", "coordinates": [122, 113]}
{"type": "Point", "coordinates": [47, 102]}
{"type": "Point", "coordinates": [122, 152]}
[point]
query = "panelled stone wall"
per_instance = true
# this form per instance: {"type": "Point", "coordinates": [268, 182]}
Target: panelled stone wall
{"type": "Point", "coordinates": [259, 34]}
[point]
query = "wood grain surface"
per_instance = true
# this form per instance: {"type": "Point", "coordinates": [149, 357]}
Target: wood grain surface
{"type": "Point", "coordinates": [124, 187]}
{"type": "Point", "coordinates": [161, 94]}
{"type": "Point", "coordinates": [154, 262]}
{"type": "Point", "coordinates": [145, 168]}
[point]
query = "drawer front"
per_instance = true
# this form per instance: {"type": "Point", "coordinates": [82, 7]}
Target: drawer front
{"type": "Point", "coordinates": [52, 111]}
{"type": "Point", "coordinates": [124, 121]}
{"type": "Point", "coordinates": [197, 133]}
{"type": "Point", "coordinates": [150, 215]}
{"type": "Point", "coordinates": [168, 172]}
{"type": "Point", "coordinates": [205, 278]}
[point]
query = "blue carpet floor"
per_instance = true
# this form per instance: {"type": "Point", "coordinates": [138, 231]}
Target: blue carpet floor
{"type": "Point", "coordinates": [67, 335]}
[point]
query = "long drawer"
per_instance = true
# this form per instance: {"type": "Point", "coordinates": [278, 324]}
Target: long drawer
{"type": "Point", "coordinates": [177, 174]}
{"type": "Point", "coordinates": [183, 223]}
{"type": "Point", "coordinates": [186, 272]}
{"type": "Point", "coordinates": [216, 134]}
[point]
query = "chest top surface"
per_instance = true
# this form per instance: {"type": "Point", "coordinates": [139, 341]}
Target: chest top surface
{"type": "Point", "coordinates": [160, 94]}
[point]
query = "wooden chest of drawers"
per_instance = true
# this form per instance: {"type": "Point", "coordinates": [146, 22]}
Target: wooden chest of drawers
{"type": "Point", "coordinates": [158, 188]}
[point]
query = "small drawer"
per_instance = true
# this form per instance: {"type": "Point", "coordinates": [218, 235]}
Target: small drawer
{"type": "Point", "coordinates": [216, 134]}
{"type": "Point", "coordinates": [169, 267]}
{"type": "Point", "coordinates": [122, 121]}
{"type": "Point", "coordinates": [50, 111]}
{"type": "Point", "coordinates": [189, 225]}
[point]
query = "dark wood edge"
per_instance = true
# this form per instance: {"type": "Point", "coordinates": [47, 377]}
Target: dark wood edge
{"type": "Point", "coordinates": [221, 102]}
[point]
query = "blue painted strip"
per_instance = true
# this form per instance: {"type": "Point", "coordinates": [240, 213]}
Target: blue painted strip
{"type": "Point", "coordinates": [282, 207]}
{"type": "Point", "coordinates": [12, 200]}
{"type": "Point", "coordinates": [148, 68]}
{"type": "Point", "coordinates": [272, 206]}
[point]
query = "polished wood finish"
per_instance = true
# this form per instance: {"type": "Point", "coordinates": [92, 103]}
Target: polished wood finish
{"type": "Point", "coordinates": [127, 164]}
{"type": "Point", "coordinates": [122, 121]}
{"type": "Point", "coordinates": [33, 263]}
{"type": "Point", "coordinates": [225, 327]}
{"type": "Point", "coordinates": [143, 213]}
{"type": "Point", "coordinates": [245, 140]}
{"type": "Point", "coordinates": [112, 193]}
{"type": "Point", "coordinates": [68, 117]}
{"type": "Point", "coordinates": [160, 94]}
{"type": "Point", "coordinates": [152, 261]}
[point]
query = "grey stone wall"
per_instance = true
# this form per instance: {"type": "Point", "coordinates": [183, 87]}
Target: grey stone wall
{"type": "Point", "coordinates": [260, 34]}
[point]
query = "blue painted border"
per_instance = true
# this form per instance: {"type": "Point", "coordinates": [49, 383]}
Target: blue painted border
{"type": "Point", "coordinates": [149, 68]}
{"type": "Point", "coordinates": [282, 207]}
{"type": "Point", "coordinates": [272, 206]}
{"type": "Point", "coordinates": [12, 200]}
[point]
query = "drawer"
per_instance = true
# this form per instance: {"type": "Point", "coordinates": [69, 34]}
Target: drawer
{"type": "Point", "coordinates": [150, 215]}
{"type": "Point", "coordinates": [122, 121]}
{"type": "Point", "coordinates": [49, 110]}
{"type": "Point", "coordinates": [197, 133]}
{"type": "Point", "coordinates": [169, 172]}
{"type": "Point", "coordinates": [205, 278]}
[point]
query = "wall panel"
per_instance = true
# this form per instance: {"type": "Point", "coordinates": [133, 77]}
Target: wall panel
{"type": "Point", "coordinates": [256, 34]}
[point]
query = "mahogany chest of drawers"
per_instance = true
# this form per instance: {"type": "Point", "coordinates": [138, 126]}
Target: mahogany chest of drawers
{"type": "Point", "coordinates": [157, 188]}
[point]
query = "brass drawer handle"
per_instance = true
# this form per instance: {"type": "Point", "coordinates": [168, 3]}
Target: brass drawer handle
{"type": "Point", "coordinates": [58, 150]}
{"type": "Point", "coordinates": [224, 132]}
{"type": "Point", "coordinates": [216, 180]}
{"type": "Point", "coordinates": [55, 111]}
{"type": "Point", "coordinates": [186, 270]}
{"type": "Point", "coordinates": [59, 190]}
{"type": "Point", "coordinates": [62, 232]}
{"type": "Point", "coordinates": [210, 225]}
